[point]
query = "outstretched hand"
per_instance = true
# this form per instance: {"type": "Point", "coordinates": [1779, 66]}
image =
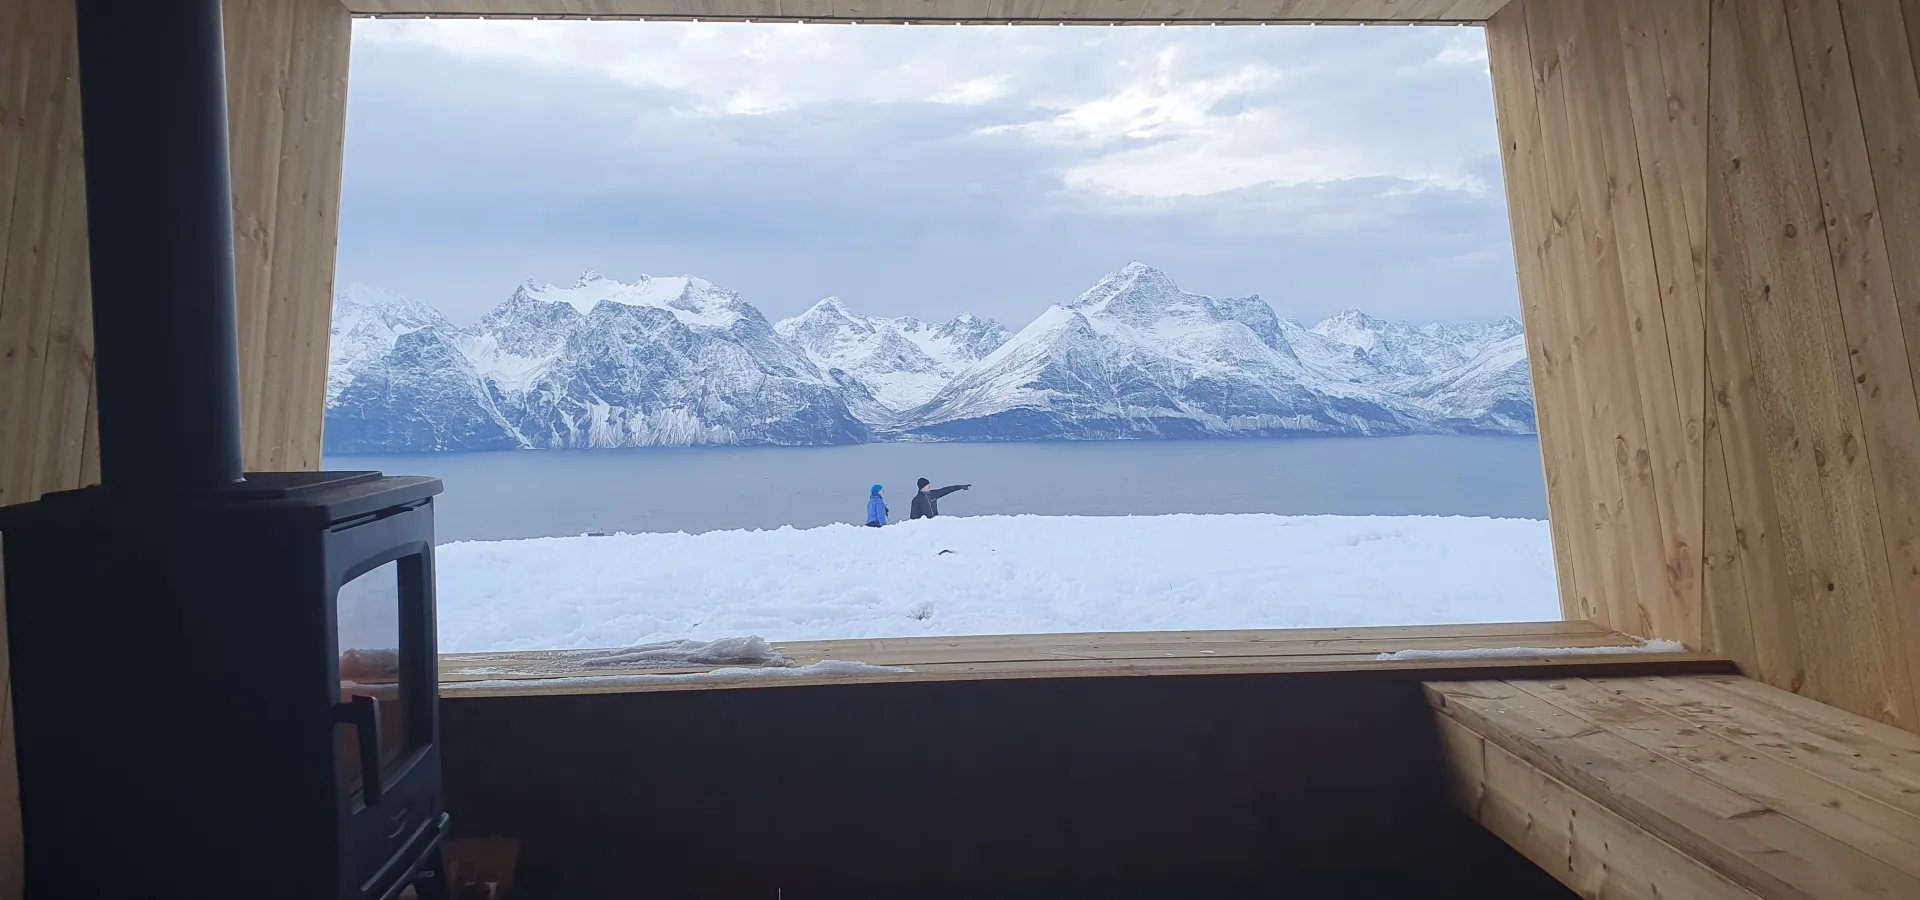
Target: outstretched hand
{"type": "Point", "coordinates": [966, 487]}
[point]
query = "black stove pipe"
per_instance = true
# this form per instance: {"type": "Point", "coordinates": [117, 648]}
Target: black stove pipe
{"type": "Point", "coordinates": [153, 94]}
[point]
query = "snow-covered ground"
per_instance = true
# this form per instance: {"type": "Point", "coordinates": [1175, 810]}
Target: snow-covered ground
{"type": "Point", "coordinates": [994, 575]}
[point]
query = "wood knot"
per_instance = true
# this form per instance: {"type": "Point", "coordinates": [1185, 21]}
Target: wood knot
{"type": "Point", "coordinates": [1736, 164]}
{"type": "Point", "coordinates": [1793, 231]}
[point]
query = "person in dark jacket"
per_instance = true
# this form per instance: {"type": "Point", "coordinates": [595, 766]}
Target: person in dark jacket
{"type": "Point", "coordinates": [926, 504]}
{"type": "Point", "coordinates": [876, 507]}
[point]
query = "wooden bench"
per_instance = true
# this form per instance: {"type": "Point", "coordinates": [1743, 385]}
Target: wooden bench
{"type": "Point", "coordinates": [1704, 786]}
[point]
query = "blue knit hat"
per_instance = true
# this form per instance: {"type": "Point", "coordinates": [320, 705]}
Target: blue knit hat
{"type": "Point", "coordinates": [876, 490]}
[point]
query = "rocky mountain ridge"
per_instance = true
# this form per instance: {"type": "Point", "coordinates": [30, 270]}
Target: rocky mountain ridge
{"type": "Point", "coordinates": [680, 361]}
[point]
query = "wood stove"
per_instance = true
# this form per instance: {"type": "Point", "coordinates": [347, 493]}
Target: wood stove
{"type": "Point", "coordinates": [240, 684]}
{"type": "Point", "coordinates": [222, 684]}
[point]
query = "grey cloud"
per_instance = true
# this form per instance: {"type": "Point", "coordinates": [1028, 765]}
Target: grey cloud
{"type": "Point", "coordinates": [465, 177]}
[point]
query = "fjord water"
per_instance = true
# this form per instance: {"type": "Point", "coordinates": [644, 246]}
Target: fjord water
{"type": "Point", "coordinates": [550, 493]}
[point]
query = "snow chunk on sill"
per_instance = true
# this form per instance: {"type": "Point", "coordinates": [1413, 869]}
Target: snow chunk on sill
{"type": "Point", "coordinates": [825, 667]}
{"type": "Point", "coordinates": [1531, 652]}
{"type": "Point", "coordinates": [751, 650]}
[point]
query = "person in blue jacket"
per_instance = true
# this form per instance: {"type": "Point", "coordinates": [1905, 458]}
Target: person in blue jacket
{"type": "Point", "coordinates": [876, 508]}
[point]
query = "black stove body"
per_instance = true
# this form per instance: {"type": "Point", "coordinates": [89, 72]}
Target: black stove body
{"type": "Point", "coordinates": [223, 684]}
{"type": "Point", "coordinates": [231, 688]}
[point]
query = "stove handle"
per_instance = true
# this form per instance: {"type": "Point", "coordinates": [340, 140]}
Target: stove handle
{"type": "Point", "coordinates": [363, 713]}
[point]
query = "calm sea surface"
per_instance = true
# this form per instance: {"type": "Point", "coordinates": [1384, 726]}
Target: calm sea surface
{"type": "Point", "coordinates": [542, 493]}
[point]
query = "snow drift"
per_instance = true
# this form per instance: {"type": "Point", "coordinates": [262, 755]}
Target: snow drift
{"type": "Point", "coordinates": [988, 575]}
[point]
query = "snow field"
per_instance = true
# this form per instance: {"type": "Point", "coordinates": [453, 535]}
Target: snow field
{"type": "Point", "coordinates": [998, 575]}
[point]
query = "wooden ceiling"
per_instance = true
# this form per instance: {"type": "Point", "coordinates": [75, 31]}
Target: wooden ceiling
{"type": "Point", "coordinates": [1028, 12]}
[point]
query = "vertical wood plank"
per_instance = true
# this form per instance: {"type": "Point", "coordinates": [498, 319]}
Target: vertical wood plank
{"type": "Point", "coordinates": [1910, 9]}
{"type": "Point", "coordinates": [1727, 624]}
{"type": "Point", "coordinates": [1663, 469]}
{"type": "Point", "coordinates": [67, 363]}
{"type": "Point", "coordinates": [322, 153]}
{"type": "Point", "coordinates": [1744, 538]}
{"type": "Point", "coordinates": [1889, 94]}
{"type": "Point", "coordinates": [291, 189]}
{"type": "Point", "coordinates": [26, 285]}
{"type": "Point", "coordinates": [1553, 34]}
{"type": "Point", "coordinates": [1888, 81]}
{"type": "Point", "coordinates": [1782, 282]}
{"type": "Point", "coordinates": [1870, 319]}
{"type": "Point", "coordinates": [15, 64]}
{"type": "Point", "coordinates": [256, 89]}
{"type": "Point", "coordinates": [1561, 449]}
{"type": "Point", "coordinates": [1601, 191]}
{"type": "Point", "coordinates": [287, 103]}
{"type": "Point", "coordinates": [1663, 52]}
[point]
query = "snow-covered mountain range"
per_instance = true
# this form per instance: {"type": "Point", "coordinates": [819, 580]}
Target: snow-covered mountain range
{"type": "Point", "coordinates": [680, 361]}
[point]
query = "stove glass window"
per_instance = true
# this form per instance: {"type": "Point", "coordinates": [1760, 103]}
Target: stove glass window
{"type": "Point", "coordinates": [369, 632]}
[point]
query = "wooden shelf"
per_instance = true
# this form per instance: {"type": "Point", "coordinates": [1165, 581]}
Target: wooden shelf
{"type": "Point", "coordinates": [1169, 653]}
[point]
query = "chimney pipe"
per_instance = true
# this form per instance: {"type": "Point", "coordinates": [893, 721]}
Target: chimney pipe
{"type": "Point", "coordinates": [153, 108]}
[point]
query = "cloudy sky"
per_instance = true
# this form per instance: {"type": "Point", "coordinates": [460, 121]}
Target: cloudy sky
{"type": "Point", "coordinates": [928, 170]}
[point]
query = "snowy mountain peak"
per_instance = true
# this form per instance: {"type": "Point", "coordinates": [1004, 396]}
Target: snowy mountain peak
{"type": "Point", "coordinates": [357, 294]}
{"type": "Point", "coordinates": [367, 322]}
{"type": "Point", "coordinates": [1137, 286]}
{"type": "Point", "coordinates": [1356, 319]}
{"type": "Point", "coordinates": [679, 360]}
{"type": "Point", "coordinates": [898, 362]}
{"type": "Point", "coordinates": [696, 302]}
{"type": "Point", "coordinates": [378, 310]}
{"type": "Point", "coordinates": [829, 309]}
{"type": "Point", "coordinates": [1353, 327]}
{"type": "Point", "coordinates": [823, 326]}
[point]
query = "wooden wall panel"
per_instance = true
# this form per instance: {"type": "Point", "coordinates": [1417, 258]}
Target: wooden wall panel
{"type": "Point", "coordinates": [287, 111]}
{"type": "Point", "coordinates": [286, 134]}
{"type": "Point", "coordinates": [1743, 180]}
{"type": "Point", "coordinates": [1886, 489]}
{"type": "Point", "coordinates": [1611, 106]}
{"type": "Point", "coordinates": [1552, 33]}
{"type": "Point", "coordinates": [1510, 57]}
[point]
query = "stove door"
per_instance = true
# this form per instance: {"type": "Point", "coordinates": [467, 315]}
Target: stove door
{"type": "Point", "coordinates": [387, 771]}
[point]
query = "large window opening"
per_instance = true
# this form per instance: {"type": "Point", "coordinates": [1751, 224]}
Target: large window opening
{"type": "Point", "coordinates": [1187, 328]}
